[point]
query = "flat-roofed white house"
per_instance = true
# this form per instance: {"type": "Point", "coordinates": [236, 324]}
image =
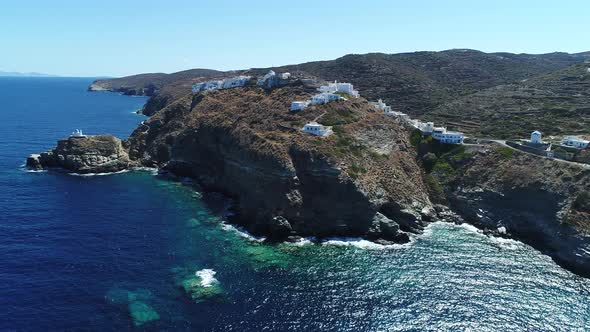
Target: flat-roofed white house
{"type": "Point", "coordinates": [340, 87]}
{"type": "Point", "coordinates": [448, 137]}
{"type": "Point", "coordinates": [427, 128]}
{"type": "Point", "coordinates": [317, 129]}
{"type": "Point", "coordinates": [536, 137]}
{"type": "Point", "coordinates": [235, 82]}
{"type": "Point", "coordinates": [380, 105]}
{"type": "Point", "coordinates": [227, 83]}
{"type": "Point", "coordinates": [324, 98]}
{"type": "Point", "coordinates": [576, 142]}
{"type": "Point", "coordinates": [207, 86]}
{"type": "Point", "coordinates": [299, 105]}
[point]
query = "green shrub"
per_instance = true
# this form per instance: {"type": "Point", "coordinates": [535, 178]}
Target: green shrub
{"type": "Point", "coordinates": [416, 137]}
{"type": "Point", "coordinates": [436, 190]}
{"type": "Point", "coordinates": [338, 117]}
{"type": "Point", "coordinates": [506, 152]}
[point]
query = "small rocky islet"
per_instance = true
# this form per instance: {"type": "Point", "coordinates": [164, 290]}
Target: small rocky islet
{"type": "Point", "coordinates": [371, 178]}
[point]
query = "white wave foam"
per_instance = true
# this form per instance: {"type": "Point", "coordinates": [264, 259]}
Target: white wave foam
{"type": "Point", "coordinates": [207, 277]}
{"type": "Point", "coordinates": [470, 228]}
{"type": "Point", "coordinates": [99, 174]}
{"type": "Point", "coordinates": [153, 170]}
{"type": "Point", "coordinates": [34, 170]}
{"type": "Point", "coordinates": [302, 242]}
{"type": "Point", "coordinates": [242, 232]}
{"type": "Point", "coordinates": [360, 243]}
{"type": "Point", "coordinates": [505, 243]}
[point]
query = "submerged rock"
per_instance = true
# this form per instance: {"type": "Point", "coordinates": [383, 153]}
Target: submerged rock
{"type": "Point", "coordinates": [202, 286]}
{"type": "Point", "coordinates": [135, 302]}
{"type": "Point", "coordinates": [142, 313]}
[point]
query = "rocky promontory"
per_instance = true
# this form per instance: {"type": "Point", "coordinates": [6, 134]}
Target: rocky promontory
{"type": "Point", "coordinates": [363, 180]}
{"type": "Point", "coordinates": [84, 154]}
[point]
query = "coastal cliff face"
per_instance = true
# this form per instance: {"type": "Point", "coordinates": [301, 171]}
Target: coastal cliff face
{"type": "Point", "coordinates": [539, 201]}
{"type": "Point", "coordinates": [87, 154]}
{"type": "Point", "coordinates": [361, 181]}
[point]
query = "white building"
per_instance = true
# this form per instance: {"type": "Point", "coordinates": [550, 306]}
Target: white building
{"type": "Point", "coordinates": [77, 133]}
{"type": "Point", "coordinates": [317, 129]}
{"type": "Point", "coordinates": [536, 137]}
{"type": "Point", "coordinates": [235, 82]}
{"type": "Point", "coordinates": [448, 137]}
{"type": "Point", "coordinates": [299, 105]}
{"type": "Point", "coordinates": [575, 141]}
{"type": "Point", "coordinates": [227, 83]}
{"type": "Point", "coordinates": [339, 87]}
{"type": "Point", "coordinates": [380, 105]}
{"type": "Point", "coordinates": [207, 86]}
{"type": "Point", "coordinates": [324, 98]}
{"type": "Point", "coordinates": [427, 128]}
{"type": "Point", "coordinates": [262, 81]}
{"type": "Point", "coordinates": [285, 76]}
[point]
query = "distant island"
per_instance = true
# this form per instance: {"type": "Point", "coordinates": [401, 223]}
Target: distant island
{"type": "Point", "coordinates": [18, 74]}
{"type": "Point", "coordinates": [303, 155]}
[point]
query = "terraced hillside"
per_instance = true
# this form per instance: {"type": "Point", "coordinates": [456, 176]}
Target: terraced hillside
{"type": "Point", "coordinates": [555, 103]}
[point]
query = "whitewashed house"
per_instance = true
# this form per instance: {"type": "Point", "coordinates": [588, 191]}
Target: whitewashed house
{"type": "Point", "coordinates": [285, 76]}
{"type": "Point", "coordinates": [575, 141]}
{"type": "Point", "coordinates": [380, 105]}
{"type": "Point", "coordinates": [324, 98]}
{"type": "Point", "coordinates": [427, 128]}
{"type": "Point", "coordinates": [262, 81]}
{"type": "Point", "coordinates": [317, 129]}
{"type": "Point", "coordinates": [299, 105]}
{"type": "Point", "coordinates": [448, 137]}
{"type": "Point", "coordinates": [339, 87]}
{"type": "Point", "coordinates": [227, 83]}
{"type": "Point", "coordinates": [235, 82]}
{"type": "Point", "coordinates": [536, 137]}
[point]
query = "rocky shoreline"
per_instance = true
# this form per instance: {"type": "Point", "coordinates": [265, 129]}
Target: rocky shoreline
{"type": "Point", "coordinates": [245, 144]}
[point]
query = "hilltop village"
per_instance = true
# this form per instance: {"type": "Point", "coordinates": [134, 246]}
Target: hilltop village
{"type": "Point", "coordinates": [568, 148]}
{"type": "Point", "coordinates": [328, 93]}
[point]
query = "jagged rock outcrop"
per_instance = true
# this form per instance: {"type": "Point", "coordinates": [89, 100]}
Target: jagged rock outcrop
{"type": "Point", "coordinates": [526, 197]}
{"type": "Point", "coordinates": [87, 154]}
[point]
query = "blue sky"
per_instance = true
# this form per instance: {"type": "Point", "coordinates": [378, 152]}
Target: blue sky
{"type": "Point", "coordinates": [91, 38]}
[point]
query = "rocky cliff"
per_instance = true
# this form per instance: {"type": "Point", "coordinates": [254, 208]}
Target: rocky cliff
{"type": "Point", "coordinates": [88, 154]}
{"type": "Point", "coordinates": [542, 202]}
{"type": "Point", "coordinates": [361, 181]}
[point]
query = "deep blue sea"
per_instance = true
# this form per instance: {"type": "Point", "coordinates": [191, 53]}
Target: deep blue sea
{"type": "Point", "coordinates": [111, 253]}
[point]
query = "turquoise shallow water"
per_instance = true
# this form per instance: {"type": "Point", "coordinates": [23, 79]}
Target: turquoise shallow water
{"type": "Point", "coordinates": [112, 252]}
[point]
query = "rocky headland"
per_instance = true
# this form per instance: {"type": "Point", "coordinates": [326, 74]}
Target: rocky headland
{"type": "Point", "coordinates": [372, 178]}
{"type": "Point", "coordinates": [361, 181]}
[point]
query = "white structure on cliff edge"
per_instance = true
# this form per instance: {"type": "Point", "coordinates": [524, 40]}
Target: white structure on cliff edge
{"type": "Point", "coordinates": [536, 137]}
{"type": "Point", "coordinates": [448, 137]}
{"type": "Point", "coordinates": [299, 105]}
{"type": "Point", "coordinates": [575, 141]}
{"type": "Point", "coordinates": [227, 83]}
{"type": "Point", "coordinates": [324, 98]}
{"type": "Point", "coordinates": [77, 133]}
{"type": "Point", "coordinates": [380, 105]}
{"type": "Point", "coordinates": [339, 87]}
{"type": "Point", "coordinates": [317, 129]}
